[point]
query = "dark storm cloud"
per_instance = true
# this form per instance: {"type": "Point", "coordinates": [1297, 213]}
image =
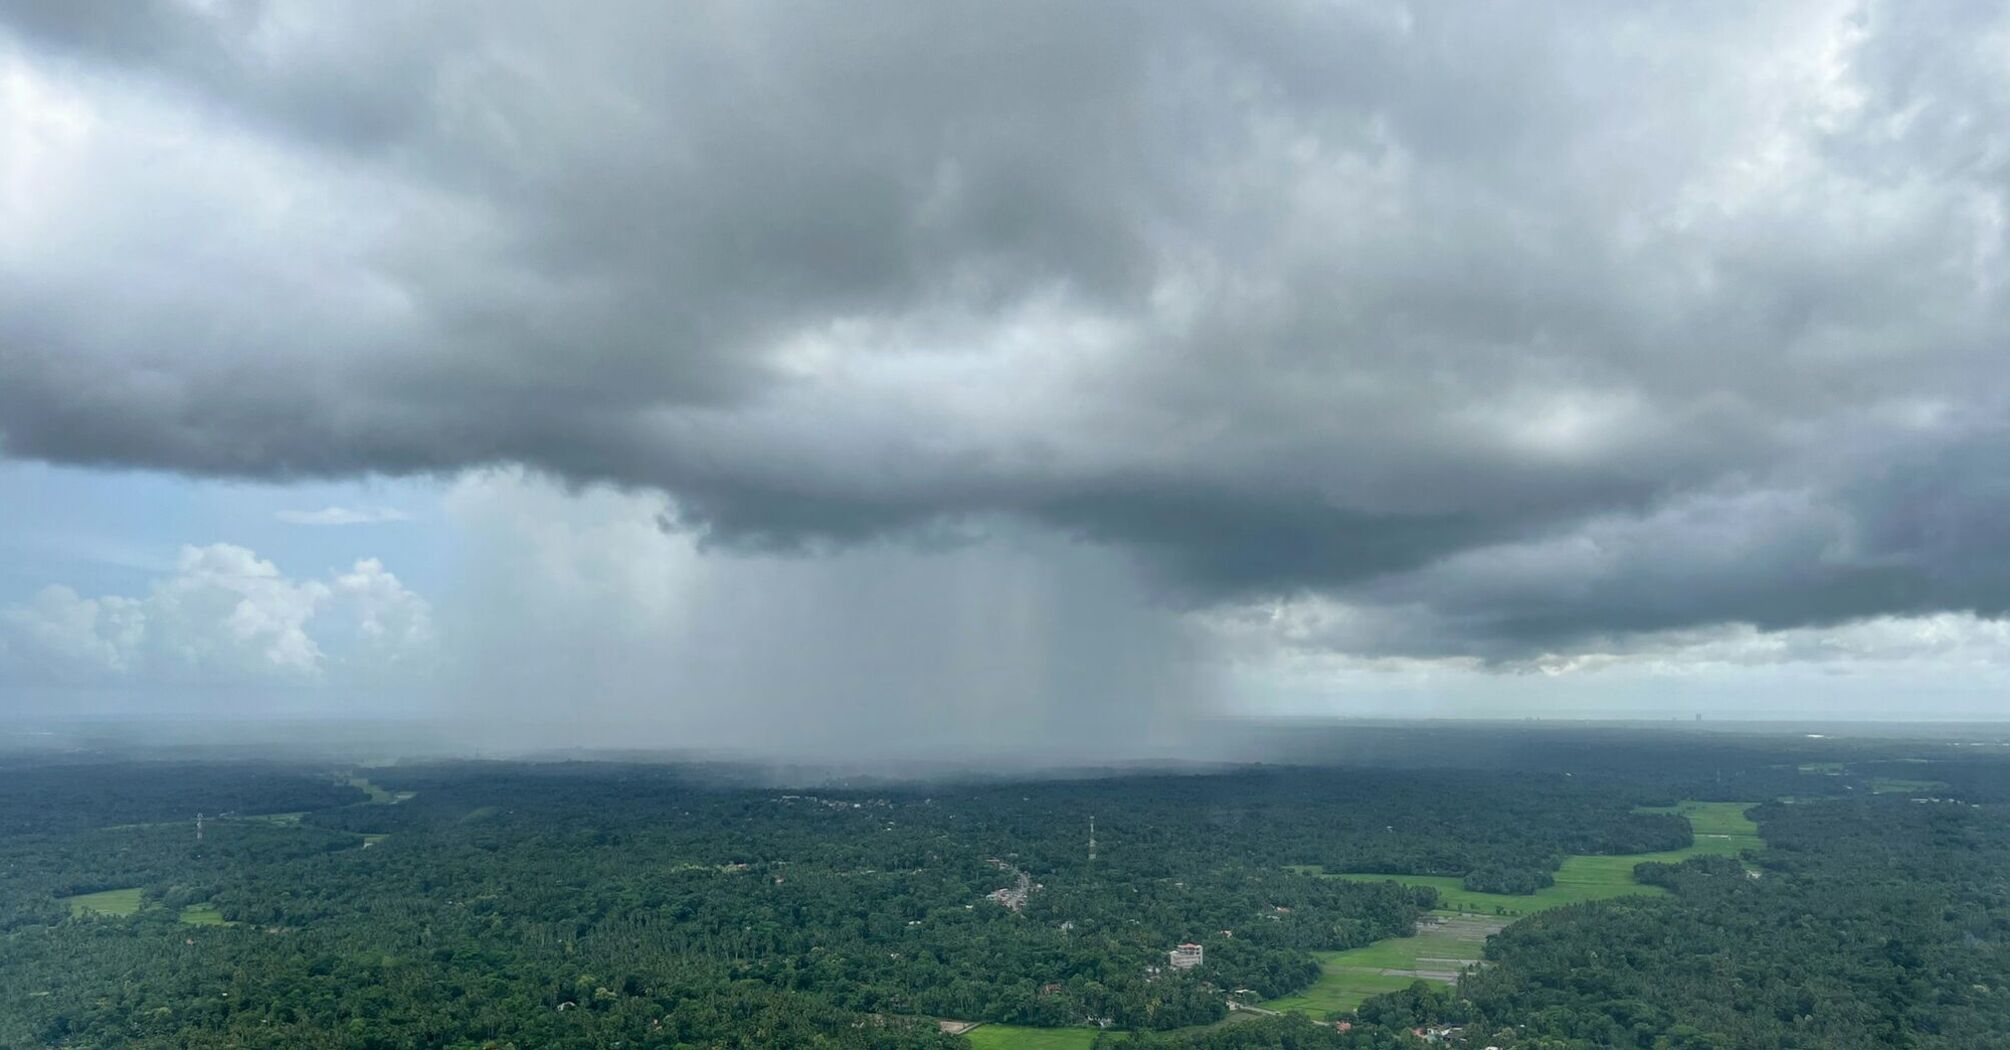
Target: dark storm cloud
{"type": "Point", "coordinates": [1520, 324]}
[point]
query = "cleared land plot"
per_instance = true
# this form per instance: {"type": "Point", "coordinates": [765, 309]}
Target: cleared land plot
{"type": "Point", "coordinates": [1575, 883]}
{"type": "Point", "coordinates": [1720, 827]}
{"type": "Point", "coordinates": [379, 795]}
{"type": "Point", "coordinates": [203, 915]}
{"type": "Point", "coordinates": [1438, 953]}
{"type": "Point", "coordinates": [1336, 991]}
{"type": "Point", "coordinates": [1018, 1037]}
{"type": "Point", "coordinates": [1441, 948]}
{"type": "Point", "coordinates": [1440, 943]}
{"type": "Point", "coordinates": [105, 902]}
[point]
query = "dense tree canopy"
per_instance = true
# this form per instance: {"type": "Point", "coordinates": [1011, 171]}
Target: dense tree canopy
{"type": "Point", "coordinates": [461, 905]}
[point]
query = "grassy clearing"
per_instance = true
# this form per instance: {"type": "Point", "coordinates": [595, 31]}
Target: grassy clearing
{"type": "Point", "coordinates": [1346, 978]}
{"type": "Point", "coordinates": [1435, 953]}
{"type": "Point", "coordinates": [1720, 828]}
{"type": "Point", "coordinates": [1446, 948]}
{"type": "Point", "coordinates": [105, 902]}
{"type": "Point", "coordinates": [203, 915]}
{"type": "Point", "coordinates": [1337, 990]}
{"type": "Point", "coordinates": [1018, 1037]}
{"type": "Point", "coordinates": [1576, 883]}
{"type": "Point", "coordinates": [377, 794]}
{"type": "Point", "coordinates": [287, 820]}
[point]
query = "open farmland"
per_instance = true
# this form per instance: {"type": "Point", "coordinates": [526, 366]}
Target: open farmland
{"type": "Point", "coordinates": [1020, 1037]}
{"type": "Point", "coordinates": [1580, 879]}
{"type": "Point", "coordinates": [105, 902]}
{"type": "Point", "coordinates": [1337, 990]}
{"type": "Point", "coordinates": [1438, 952]}
{"type": "Point", "coordinates": [1441, 948]}
{"type": "Point", "coordinates": [379, 795]}
{"type": "Point", "coordinates": [1720, 828]}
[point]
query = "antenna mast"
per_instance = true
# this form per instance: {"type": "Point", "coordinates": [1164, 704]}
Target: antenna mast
{"type": "Point", "coordinates": [1092, 840]}
{"type": "Point", "coordinates": [198, 827]}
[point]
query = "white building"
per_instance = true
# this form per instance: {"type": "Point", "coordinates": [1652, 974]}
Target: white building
{"type": "Point", "coordinates": [1185, 957]}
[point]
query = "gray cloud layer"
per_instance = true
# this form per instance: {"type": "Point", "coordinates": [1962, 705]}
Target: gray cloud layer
{"type": "Point", "coordinates": [1521, 324]}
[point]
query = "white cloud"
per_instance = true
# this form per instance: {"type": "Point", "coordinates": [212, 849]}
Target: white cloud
{"type": "Point", "coordinates": [223, 616]}
{"type": "Point", "coordinates": [388, 618]}
{"type": "Point", "coordinates": [73, 631]}
{"type": "Point", "coordinates": [343, 516]}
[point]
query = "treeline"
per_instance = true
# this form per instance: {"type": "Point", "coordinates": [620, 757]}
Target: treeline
{"type": "Point", "coordinates": [44, 796]}
{"type": "Point", "coordinates": [1494, 878]}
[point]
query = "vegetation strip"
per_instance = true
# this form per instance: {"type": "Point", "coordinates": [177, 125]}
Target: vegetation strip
{"type": "Point", "coordinates": [106, 902]}
{"type": "Point", "coordinates": [1347, 978]}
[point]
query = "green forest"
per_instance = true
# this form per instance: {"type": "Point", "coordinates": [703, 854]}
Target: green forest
{"type": "Point", "coordinates": [465, 904]}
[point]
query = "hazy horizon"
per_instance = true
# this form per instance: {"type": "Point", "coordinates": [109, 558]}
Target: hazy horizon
{"type": "Point", "coordinates": [1228, 743]}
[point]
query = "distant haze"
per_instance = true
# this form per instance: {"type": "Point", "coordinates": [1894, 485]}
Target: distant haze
{"type": "Point", "coordinates": [1041, 379]}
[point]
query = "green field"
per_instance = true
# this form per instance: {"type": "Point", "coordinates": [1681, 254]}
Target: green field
{"type": "Point", "coordinates": [1017, 1037]}
{"type": "Point", "coordinates": [1431, 949]}
{"type": "Point", "coordinates": [1720, 828]}
{"type": "Point", "coordinates": [1579, 879]}
{"type": "Point", "coordinates": [1435, 953]}
{"type": "Point", "coordinates": [379, 795]}
{"type": "Point", "coordinates": [1336, 990]}
{"type": "Point", "coordinates": [1348, 977]}
{"type": "Point", "coordinates": [1715, 822]}
{"type": "Point", "coordinates": [105, 902]}
{"type": "Point", "coordinates": [203, 915]}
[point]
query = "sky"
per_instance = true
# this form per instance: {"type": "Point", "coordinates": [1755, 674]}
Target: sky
{"type": "Point", "coordinates": [888, 377]}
